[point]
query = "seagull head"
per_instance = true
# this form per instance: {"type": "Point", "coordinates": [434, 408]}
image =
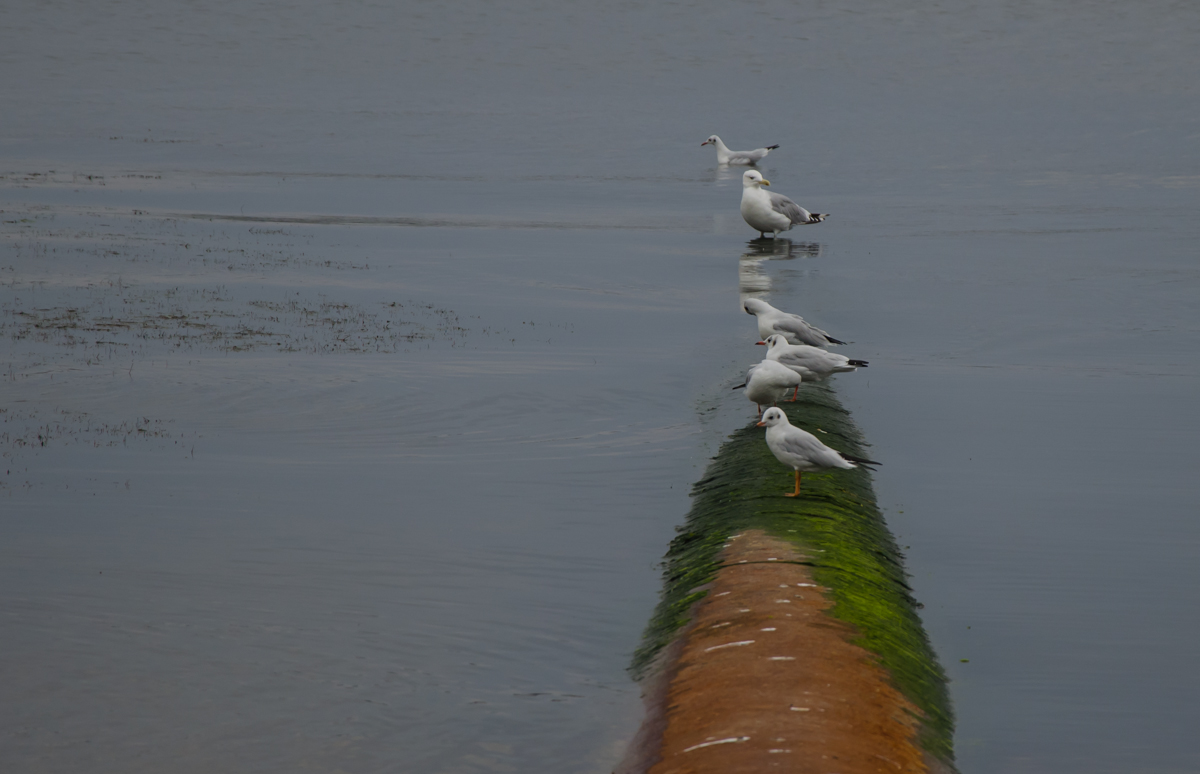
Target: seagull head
{"type": "Point", "coordinates": [711, 141]}
{"type": "Point", "coordinates": [755, 306]}
{"type": "Point", "coordinates": [773, 416]}
{"type": "Point", "coordinates": [774, 340]}
{"type": "Point", "coordinates": [753, 179]}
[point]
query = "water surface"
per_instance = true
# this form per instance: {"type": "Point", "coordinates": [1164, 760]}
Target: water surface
{"type": "Point", "coordinates": [374, 350]}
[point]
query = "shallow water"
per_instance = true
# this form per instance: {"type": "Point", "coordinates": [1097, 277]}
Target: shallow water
{"type": "Point", "coordinates": [373, 354]}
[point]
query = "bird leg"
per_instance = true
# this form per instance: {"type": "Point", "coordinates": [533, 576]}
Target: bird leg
{"type": "Point", "coordinates": [797, 492]}
{"type": "Point", "coordinates": [794, 394]}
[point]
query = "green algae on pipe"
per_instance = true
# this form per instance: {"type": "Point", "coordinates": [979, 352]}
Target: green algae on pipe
{"type": "Point", "coordinates": [836, 523]}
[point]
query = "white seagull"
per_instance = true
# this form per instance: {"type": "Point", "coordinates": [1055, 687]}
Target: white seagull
{"type": "Point", "coordinates": [812, 363]}
{"type": "Point", "coordinates": [766, 211]}
{"type": "Point", "coordinates": [801, 450]}
{"type": "Point", "coordinates": [791, 326]}
{"type": "Point", "coordinates": [768, 381]}
{"type": "Point", "coordinates": [746, 158]}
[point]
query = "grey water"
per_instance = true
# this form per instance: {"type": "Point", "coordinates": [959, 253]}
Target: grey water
{"type": "Point", "coordinates": [358, 359]}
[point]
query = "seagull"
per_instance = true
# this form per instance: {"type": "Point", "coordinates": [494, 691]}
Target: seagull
{"type": "Point", "coordinates": [791, 326]}
{"type": "Point", "coordinates": [801, 450]}
{"type": "Point", "coordinates": [768, 381]}
{"type": "Point", "coordinates": [726, 156]}
{"type": "Point", "coordinates": [812, 363]}
{"type": "Point", "coordinates": [766, 211]}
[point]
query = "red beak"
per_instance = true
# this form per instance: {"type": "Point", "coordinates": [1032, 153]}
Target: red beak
{"type": "Point", "coordinates": [762, 424]}
{"type": "Point", "coordinates": [761, 342]}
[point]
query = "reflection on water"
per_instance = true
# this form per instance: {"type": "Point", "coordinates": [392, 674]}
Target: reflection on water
{"type": "Point", "coordinates": [752, 276]}
{"type": "Point", "coordinates": [781, 249]}
{"type": "Point", "coordinates": [752, 280]}
{"type": "Point", "coordinates": [724, 174]}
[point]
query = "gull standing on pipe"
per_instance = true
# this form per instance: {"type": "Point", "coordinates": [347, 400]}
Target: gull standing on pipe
{"type": "Point", "coordinates": [801, 450]}
{"type": "Point", "coordinates": [812, 363]}
{"type": "Point", "coordinates": [745, 158]}
{"type": "Point", "coordinates": [768, 382]}
{"type": "Point", "coordinates": [766, 211]}
{"type": "Point", "coordinates": [791, 326]}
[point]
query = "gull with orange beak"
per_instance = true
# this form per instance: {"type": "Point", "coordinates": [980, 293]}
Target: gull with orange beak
{"type": "Point", "coordinates": [801, 450]}
{"type": "Point", "coordinates": [766, 211]}
{"type": "Point", "coordinates": [813, 363]}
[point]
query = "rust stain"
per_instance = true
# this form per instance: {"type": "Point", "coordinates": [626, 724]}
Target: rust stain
{"type": "Point", "coordinates": [764, 679]}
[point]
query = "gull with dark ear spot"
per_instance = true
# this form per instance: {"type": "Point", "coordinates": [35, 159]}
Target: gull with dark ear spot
{"type": "Point", "coordinates": [791, 326]}
{"type": "Point", "coordinates": [744, 158]}
{"type": "Point", "coordinates": [813, 363]}
{"type": "Point", "coordinates": [801, 450]}
{"type": "Point", "coordinates": [766, 211]}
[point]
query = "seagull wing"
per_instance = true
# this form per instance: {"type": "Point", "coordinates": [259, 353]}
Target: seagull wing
{"type": "Point", "coordinates": [804, 445]}
{"type": "Point", "coordinates": [793, 357]}
{"type": "Point", "coordinates": [829, 339]}
{"type": "Point", "coordinates": [785, 206]}
{"type": "Point", "coordinates": [804, 332]}
{"type": "Point", "coordinates": [744, 157]}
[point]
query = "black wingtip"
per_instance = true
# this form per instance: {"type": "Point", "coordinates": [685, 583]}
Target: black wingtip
{"type": "Point", "coordinates": [859, 460]}
{"type": "Point", "coordinates": [740, 386]}
{"type": "Point", "coordinates": [772, 147]}
{"type": "Point", "coordinates": [832, 340]}
{"type": "Point", "coordinates": [859, 363]}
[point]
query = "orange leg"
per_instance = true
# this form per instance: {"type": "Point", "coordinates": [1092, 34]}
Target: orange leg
{"type": "Point", "coordinates": [797, 492]}
{"type": "Point", "coordinates": [795, 393]}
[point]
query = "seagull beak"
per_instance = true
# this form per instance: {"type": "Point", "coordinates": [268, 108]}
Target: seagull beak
{"type": "Point", "coordinates": [761, 424]}
{"type": "Point", "coordinates": [704, 143]}
{"type": "Point", "coordinates": [761, 342]}
{"type": "Point", "coordinates": [765, 181]}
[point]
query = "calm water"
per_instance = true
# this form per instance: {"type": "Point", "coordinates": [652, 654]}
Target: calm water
{"type": "Point", "coordinates": [373, 352]}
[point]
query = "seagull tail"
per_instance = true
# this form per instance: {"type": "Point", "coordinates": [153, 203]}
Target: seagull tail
{"type": "Point", "coordinates": [772, 147]}
{"type": "Point", "coordinates": [817, 217]}
{"type": "Point", "coordinates": [858, 460]}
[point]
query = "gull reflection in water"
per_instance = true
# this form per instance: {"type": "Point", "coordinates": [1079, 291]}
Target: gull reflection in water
{"type": "Point", "coordinates": [752, 277]}
{"type": "Point", "coordinates": [725, 173]}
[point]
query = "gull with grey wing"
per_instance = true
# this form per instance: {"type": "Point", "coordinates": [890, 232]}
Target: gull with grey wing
{"type": "Point", "coordinates": [768, 381]}
{"type": "Point", "coordinates": [813, 363]}
{"type": "Point", "coordinates": [766, 211]}
{"type": "Point", "coordinates": [800, 450]}
{"type": "Point", "coordinates": [792, 327]}
{"type": "Point", "coordinates": [743, 158]}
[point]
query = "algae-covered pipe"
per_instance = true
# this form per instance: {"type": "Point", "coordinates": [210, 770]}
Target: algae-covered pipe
{"type": "Point", "coordinates": [787, 637]}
